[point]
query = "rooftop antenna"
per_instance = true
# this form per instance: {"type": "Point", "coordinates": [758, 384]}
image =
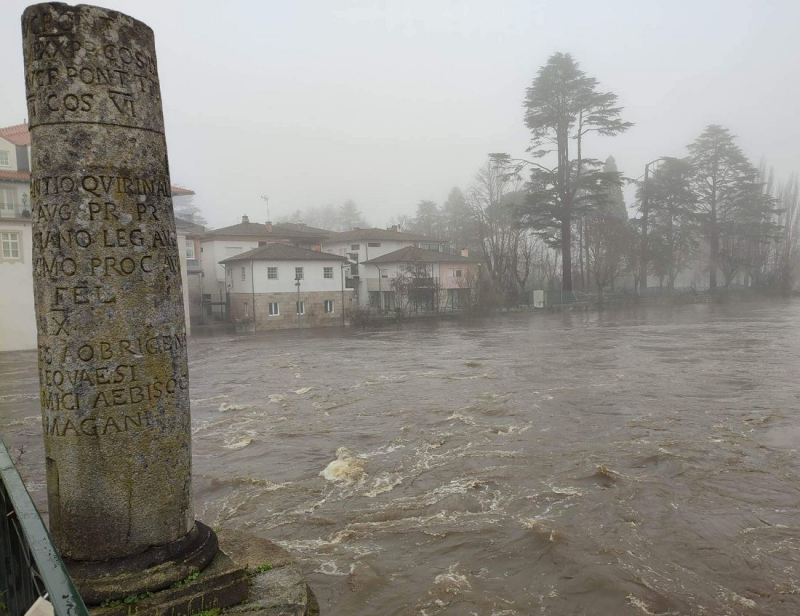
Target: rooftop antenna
{"type": "Point", "coordinates": [266, 199]}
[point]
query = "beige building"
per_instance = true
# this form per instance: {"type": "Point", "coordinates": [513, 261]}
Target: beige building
{"type": "Point", "coordinates": [280, 286]}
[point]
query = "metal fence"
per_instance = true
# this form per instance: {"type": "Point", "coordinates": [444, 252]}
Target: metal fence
{"type": "Point", "coordinates": [30, 566]}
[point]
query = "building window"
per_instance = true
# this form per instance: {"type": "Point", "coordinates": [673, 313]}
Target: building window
{"type": "Point", "coordinates": [327, 272]}
{"type": "Point", "coordinates": [4, 160]}
{"type": "Point", "coordinates": [433, 247]}
{"type": "Point", "coordinates": [374, 299]}
{"type": "Point", "coordinates": [353, 256]}
{"type": "Point", "coordinates": [260, 244]}
{"type": "Point", "coordinates": [10, 243]}
{"type": "Point", "coordinates": [329, 306]}
{"type": "Point", "coordinates": [374, 244]}
{"type": "Point", "coordinates": [246, 310]}
{"type": "Point", "coordinates": [355, 246]}
{"type": "Point", "coordinates": [190, 250]}
{"type": "Point", "coordinates": [384, 273]}
{"type": "Point", "coordinates": [7, 201]}
{"type": "Point", "coordinates": [458, 273]}
{"type": "Point", "coordinates": [272, 273]}
{"type": "Point", "coordinates": [244, 274]}
{"type": "Point", "coordinates": [274, 309]}
{"type": "Point", "coordinates": [298, 273]}
{"type": "Point", "coordinates": [451, 272]}
{"type": "Point", "coordinates": [301, 307]}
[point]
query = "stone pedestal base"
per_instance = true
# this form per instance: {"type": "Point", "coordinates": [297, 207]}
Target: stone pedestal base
{"type": "Point", "coordinates": [151, 570]}
{"type": "Point", "coordinates": [248, 575]}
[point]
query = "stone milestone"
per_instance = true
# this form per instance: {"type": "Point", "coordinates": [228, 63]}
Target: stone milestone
{"type": "Point", "coordinates": [113, 370]}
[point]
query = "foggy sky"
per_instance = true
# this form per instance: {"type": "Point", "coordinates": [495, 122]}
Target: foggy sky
{"type": "Point", "coordinates": [317, 102]}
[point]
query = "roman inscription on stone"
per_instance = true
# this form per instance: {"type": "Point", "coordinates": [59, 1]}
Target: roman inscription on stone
{"type": "Point", "coordinates": [113, 374]}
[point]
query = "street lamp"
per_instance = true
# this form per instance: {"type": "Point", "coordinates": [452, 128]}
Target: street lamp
{"type": "Point", "coordinates": [297, 280]}
{"type": "Point", "coordinates": [645, 248]}
{"type": "Point", "coordinates": [341, 267]}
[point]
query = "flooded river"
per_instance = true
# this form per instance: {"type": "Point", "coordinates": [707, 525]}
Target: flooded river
{"type": "Point", "coordinates": [640, 461]}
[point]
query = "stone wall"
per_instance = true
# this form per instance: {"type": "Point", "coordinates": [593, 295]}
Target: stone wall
{"type": "Point", "coordinates": [315, 316]}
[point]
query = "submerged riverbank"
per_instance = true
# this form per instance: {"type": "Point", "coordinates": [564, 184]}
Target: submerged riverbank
{"type": "Point", "coordinates": [635, 460]}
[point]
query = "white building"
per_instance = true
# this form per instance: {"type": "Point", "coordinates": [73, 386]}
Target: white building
{"type": "Point", "coordinates": [361, 245]}
{"type": "Point", "coordinates": [278, 286]}
{"type": "Point", "coordinates": [220, 244]}
{"type": "Point", "coordinates": [17, 313]}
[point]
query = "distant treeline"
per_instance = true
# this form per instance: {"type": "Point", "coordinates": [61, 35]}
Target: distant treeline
{"type": "Point", "coordinates": [711, 211]}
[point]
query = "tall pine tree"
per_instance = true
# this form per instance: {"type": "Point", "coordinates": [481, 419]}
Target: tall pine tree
{"type": "Point", "coordinates": [562, 107]}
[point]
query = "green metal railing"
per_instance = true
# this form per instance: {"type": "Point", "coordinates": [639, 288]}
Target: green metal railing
{"type": "Point", "coordinates": [30, 566]}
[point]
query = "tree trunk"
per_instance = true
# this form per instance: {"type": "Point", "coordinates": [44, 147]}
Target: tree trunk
{"type": "Point", "coordinates": [566, 255]}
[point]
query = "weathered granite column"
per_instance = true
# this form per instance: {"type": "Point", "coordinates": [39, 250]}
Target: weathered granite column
{"type": "Point", "coordinates": [112, 342]}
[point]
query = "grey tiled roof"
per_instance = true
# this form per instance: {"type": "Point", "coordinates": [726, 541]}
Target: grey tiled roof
{"type": "Point", "coordinates": [278, 251]}
{"type": "Point", "coordinates": [379, 234]}
{"type": "Point", "coordinates": [411, 254]}
{"type": "Point", "coordinates": [257, 229]}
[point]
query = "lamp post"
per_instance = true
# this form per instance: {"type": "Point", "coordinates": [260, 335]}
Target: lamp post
{"type": "Point", "coordinates": [645, 247]}
{"type": "Point", "coordinates": [341, 267]}
{"type": "Point", "coordinates": [297, 280]}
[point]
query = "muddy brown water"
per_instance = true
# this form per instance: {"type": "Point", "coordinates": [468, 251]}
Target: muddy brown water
{"type": "Point", "coordinates": [637, 461]}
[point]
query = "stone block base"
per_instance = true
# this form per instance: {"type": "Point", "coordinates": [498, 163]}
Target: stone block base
{"type": "Point", "coordinates": [248, 575]}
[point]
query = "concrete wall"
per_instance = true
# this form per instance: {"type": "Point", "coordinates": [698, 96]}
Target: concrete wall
{"type": "Point", "coordinates": [241, 281]}
{"type": "Point", "coordinates": [213, 252]}
{"type": "Point", "coordinates": [17, 314]}
{"type": "Point", "coordinates": [315, 315]}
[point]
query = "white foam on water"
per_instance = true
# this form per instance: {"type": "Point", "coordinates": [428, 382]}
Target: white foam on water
{"type": "Point", "coordinates": [302, 390]}
{"type": "Point", "coordinates": [466, 419]}
{"type": "Point", "coordinates": [453, 580]}
{"type": "Point", "coordinates": [345, 468]}
{"type": "Point", "coordinates": [199, 400]}
{"type": "Point", "coordinates": [568, 491]}
{"type": "Point", "coordinates": [637, 602]}
{"type": "Point", "coordinates": [277, 398]}
{"type": "Point", "coordinates": [229, 406]}
{"type": "Point", "coordinates": [238, 444]}
{"type": "Point", "coordinates": [384, 483]}
{"type": "Point", "coordinates": [329, 567]}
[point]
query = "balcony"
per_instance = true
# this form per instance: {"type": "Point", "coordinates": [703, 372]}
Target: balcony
{"type": "Point", "coordinates": [11, 210]}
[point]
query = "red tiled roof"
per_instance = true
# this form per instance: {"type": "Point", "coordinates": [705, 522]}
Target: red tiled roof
{"type": "Point", "coordinates": [17, 134]}
{"type": "Point", "coordinates": [15, 176]}
{"type": "Point", "coordinates": [179, 191]}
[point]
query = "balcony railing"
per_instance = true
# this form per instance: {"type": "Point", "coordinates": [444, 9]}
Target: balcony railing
{"type": "Point", "coordinates": [30, 566]}
{"type": "Point", "coordinates": [14, 211]}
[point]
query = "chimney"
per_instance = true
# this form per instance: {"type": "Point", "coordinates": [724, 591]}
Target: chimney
{"type": "Point", "coordinates": [245, 218]}
{"type": "Point", "coordinates": [393, 228]}
{"type": "Point", "coordinates": [269, 226]}
{"type": "Point", "coordinates": [464, 252]}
